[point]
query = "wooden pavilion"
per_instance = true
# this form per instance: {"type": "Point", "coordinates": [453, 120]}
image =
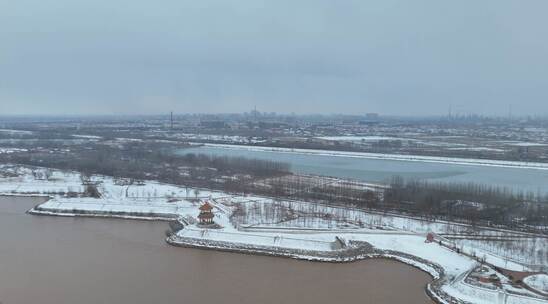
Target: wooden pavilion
{"type": "Point", "coordinates": [206, 214]}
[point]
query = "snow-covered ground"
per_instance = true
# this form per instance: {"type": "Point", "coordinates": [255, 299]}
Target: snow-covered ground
{"type": "Point", "coordinates": [217, 138]}
{"type": "Point", "coordinates": [538, 282]}
{"type": "Point", "coordinates": [257, 221]}
{"type": "Point", "coordinates": [510, 254]}
{"type": "Point", "coordinates": [291, 214]}
{"type": "Point", "coordinates": [11, 150]}
{"type": "Point", "coordinates": [260, 239]}
{"type": "Point", "coordinates": [23, 180]}
{"type": "Point", "coordinates": [362, 138]}
{"type": "Point", "coordinates": [93, 137]}
{"type": "Point", "coordinates": [15, 132]}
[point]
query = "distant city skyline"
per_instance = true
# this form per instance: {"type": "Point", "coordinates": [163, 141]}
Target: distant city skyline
{"type": "Point", "coordinates": [393, 57]}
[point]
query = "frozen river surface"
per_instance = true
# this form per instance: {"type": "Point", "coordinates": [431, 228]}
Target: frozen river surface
{"type": "Point", "coordinates": [380, 170]}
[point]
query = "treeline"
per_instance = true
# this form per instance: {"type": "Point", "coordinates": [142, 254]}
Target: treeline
{"type": "Point", "coordinates": [435, 192]}
{"type": "Point", "coordinates": [465, 202]}
{"type": "Point", "coordinates": [255, 167]}
{"type": "Point", "coordinates": [321, 188]}
{"type": "Point", "coordinates": [471, 201]}
{"type": "Point", "coordinates": [140, 160]}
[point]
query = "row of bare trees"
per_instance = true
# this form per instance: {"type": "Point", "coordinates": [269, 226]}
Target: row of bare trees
{"type": "Point", "coordinates": [141, 160]}
{"type": "Point", "coordinates": [471, 201]}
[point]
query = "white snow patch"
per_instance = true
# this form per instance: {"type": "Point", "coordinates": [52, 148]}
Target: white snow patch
{"type": "Point", "coordinates": [538, 282]}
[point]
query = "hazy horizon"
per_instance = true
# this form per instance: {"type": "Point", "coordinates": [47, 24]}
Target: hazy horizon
{"type": "Point", "coordinates": [395, 57]}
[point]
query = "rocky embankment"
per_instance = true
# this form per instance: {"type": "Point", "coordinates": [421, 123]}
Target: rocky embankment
{"type": "Point", "coordinates": [354, 251]}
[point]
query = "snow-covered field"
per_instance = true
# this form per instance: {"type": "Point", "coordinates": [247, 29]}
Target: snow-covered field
{"type": "Point", "coordinates": [538, 282]}
{"type": "Point", "coordinates": [256, 221]}
{"type": "Point", "coordinates": [512, 254]}
{"type": "Point", "coordinates": [362, 138]}
{"type": "Point", "coordinates": [302, 215]}
{"type": "Point", "coordinates": [261, 239]}
{"type": "Point", "coordinates": [23, 180]}
{"type": "Point", "coordinates": [218, 138]}
{"type": "Point", "coordinates": [11, 150]}
{"type": "Point", "coordinates": [15, 132]}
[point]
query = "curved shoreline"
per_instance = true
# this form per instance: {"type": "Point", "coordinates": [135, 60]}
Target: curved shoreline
{"type": "Point", "coordinates": [353, 255]}
{"type": "Point", "coordinates": [358, 251]}
{"type": "Point", "coordinates": [441, 289]}
{"type": "Point", "coordinates": [435, 271]}
{"type": "Point", "coordinates": [447, 268]}
{"type": "Point", "coordinates": [353, 251]}
{"type": "Point", "coordinates": [96, 214]}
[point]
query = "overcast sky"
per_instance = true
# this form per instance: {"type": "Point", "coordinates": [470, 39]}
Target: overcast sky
{"type": "Point", "coordinates": [318, 56]}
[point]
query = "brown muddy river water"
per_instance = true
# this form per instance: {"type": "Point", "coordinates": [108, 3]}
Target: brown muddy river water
{"type": "Point", "coordinates": [57, 260]}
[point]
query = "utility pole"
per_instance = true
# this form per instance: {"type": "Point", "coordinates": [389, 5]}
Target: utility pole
{"type": "Point", "coordinates": [171, 119]}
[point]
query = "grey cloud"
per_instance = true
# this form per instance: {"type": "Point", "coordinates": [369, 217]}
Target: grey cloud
{"type": "Point", "coordinates": [393, 56]}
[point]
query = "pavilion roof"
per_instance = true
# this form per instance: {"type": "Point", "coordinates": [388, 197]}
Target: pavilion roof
{"type": "Point", "coordinates": [206, 207]}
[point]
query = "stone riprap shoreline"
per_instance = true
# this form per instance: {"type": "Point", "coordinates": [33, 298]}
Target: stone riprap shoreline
{"type": "Point", "coordinates": [355, 251]}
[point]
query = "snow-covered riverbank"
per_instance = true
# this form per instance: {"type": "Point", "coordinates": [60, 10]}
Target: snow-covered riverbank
{"type": "Point", "coordinates": [397, 157]}
{"type": "Point", "coordinates": [342, 236]}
